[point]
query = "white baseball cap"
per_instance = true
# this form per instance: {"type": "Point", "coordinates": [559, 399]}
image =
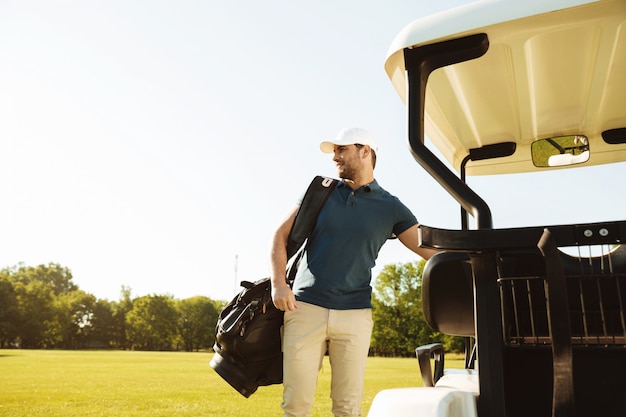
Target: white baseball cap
{"type": "Point", "coordinates": [351, 136]}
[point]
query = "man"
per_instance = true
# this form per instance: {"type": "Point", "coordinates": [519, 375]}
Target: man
{"type": "Point", "coordinates": [329, 308]}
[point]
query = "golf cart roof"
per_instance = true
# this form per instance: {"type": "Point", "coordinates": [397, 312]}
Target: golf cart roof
{"type": "Point", "coordinates": [552, 68]}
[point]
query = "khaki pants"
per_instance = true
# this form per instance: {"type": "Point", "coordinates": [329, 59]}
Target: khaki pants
{"type": "Point", "coordinates": [308, 331]}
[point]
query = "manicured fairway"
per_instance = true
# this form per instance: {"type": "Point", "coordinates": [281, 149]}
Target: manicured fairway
{"type": "Point", "coordinates": [122, 383]}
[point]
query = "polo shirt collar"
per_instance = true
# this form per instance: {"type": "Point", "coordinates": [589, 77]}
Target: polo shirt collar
{"type": "Point", "coordinates": [372, 186]}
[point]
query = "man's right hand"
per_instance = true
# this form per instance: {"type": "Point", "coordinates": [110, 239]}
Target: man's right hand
{"type": "Point", "coordinates": [283, 298]}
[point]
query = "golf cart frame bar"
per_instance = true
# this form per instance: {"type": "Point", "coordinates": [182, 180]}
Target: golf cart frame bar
{"type": "Point", "coordinates": [420, 62]}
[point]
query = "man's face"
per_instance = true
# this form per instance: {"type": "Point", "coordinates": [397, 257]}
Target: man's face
{"type": "Point", "coordinates": [348, 161]}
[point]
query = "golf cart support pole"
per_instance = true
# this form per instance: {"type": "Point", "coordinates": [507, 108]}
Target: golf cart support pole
{"type": "Point", "coordinates": [420, 62]}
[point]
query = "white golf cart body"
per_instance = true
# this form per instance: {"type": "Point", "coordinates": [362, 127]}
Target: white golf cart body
{"type": "Point", "coordinates": [502, 87]}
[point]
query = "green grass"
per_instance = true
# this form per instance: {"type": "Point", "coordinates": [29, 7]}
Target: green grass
{"type": "Point", "coordinates": [122, 383]}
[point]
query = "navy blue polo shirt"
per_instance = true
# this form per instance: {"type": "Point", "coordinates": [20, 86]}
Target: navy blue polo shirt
{"type": "Point", "coordinates": [336, 270]}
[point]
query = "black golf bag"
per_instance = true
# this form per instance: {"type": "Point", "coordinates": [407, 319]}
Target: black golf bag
{"type": "Point", "coordinates": [248, 333]}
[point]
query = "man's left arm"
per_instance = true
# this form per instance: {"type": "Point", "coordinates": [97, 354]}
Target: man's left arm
{"type": "Point", "coordinates": [409, 239]}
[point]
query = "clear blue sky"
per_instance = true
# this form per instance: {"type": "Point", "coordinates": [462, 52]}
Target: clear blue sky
{"type": "Point", "coordinates": [153, 143]}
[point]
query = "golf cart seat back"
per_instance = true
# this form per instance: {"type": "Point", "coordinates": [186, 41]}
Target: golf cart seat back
{"type": "Point", "coordinates": [448, 305]}
{"type": "Point", "coordinates": [447, 295]}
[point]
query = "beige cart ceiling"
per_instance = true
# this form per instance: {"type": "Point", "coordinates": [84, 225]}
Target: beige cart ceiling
{"type": "Point", "coordinates": [552, 72]}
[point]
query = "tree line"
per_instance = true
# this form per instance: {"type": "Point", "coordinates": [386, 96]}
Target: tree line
{"type": "Point", "coordinates": [42, 308]}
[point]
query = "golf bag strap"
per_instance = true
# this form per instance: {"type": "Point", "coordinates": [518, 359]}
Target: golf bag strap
{"type": "Point", "coordinates": [313, 201]}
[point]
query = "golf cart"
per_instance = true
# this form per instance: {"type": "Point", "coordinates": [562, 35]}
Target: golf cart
{"type": "Point", "coordinates": [506, 87]}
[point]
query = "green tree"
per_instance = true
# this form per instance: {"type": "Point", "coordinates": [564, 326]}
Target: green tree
{"type": "Point", "coordinates": [38, 291]}
{"type": "Point", "coordinates": [151, 323]}
{"type": "Point", "coordinates": [103, 326]}
{"type": "Point", "coordinates": [196, 322]}
{"type": "Point", "coordinates": [120, 310]}
{"type": "Point", "coordinates": [399, 325]}
{"type": "Point", "coordinates": [450, 343]}
{"type": "Point", "coordinates": [75, 311]}
{"type": "Point", "coordinates": [37, 316]}
{"type": "Point", "coordinates": [58, 278]}
{"type": "Point", "coordinates": [9, 312]}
